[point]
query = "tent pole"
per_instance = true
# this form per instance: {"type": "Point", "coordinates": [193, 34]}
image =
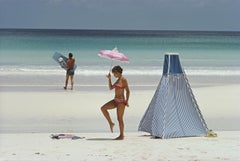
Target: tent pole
{"type": "Point", "coordinates": [164, 116]}
{"type": "Point", "coordinates": [169, 57]}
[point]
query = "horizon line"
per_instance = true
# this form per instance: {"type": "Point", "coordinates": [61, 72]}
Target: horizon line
{"type": "Point", "coordinates": [84, 29]}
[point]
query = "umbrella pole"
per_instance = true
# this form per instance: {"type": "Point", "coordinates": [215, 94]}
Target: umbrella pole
{"type": "Point", "coordinates": [110, 66]}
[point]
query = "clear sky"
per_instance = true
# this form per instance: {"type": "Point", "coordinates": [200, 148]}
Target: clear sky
{"type": "Point", "coordinates": [213, 15]}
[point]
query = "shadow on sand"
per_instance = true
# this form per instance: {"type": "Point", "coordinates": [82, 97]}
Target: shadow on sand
{"type": "Point", "coordinates": [100, 139]}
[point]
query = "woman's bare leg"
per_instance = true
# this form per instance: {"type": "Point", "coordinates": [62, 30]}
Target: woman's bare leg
{"type": "Point", "coordinates": [120, 113]}
{"type": "Point", "coordinates": [104, 108]}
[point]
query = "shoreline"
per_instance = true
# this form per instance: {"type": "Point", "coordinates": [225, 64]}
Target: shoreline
{"type": "Point", "coordinates": [54, 83]}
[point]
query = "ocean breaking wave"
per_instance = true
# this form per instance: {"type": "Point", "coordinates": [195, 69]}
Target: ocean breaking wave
{"type": "Point", "coordinates": [95, 71]}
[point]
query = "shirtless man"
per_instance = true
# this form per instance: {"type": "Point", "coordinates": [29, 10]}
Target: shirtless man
{"type": "Point", "coordinates": [70, 70]}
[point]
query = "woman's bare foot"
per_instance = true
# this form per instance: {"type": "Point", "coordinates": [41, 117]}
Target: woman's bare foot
{"type": "Point", "coordinates": [120, 138]}
{"type": "Point", "coordinates": [111, 126]}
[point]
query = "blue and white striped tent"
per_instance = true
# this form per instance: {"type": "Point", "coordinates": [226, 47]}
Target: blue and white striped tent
{"type": "Point", "coordinates": [173, 111]}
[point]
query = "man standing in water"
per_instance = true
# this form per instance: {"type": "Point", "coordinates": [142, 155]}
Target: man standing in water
{"type": "Point", "coordinates": [70, 70]}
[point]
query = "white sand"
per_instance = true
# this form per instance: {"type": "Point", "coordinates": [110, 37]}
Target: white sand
{"type": "Point", "coordinates": [58, 110]}
{"type": "Point", "coordinates": [78, 112]}
{"type": "Point", "coordinates": [135, 147]}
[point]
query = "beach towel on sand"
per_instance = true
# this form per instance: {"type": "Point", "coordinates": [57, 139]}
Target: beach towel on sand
{"type": "Point", "coordinates": [65, 136]}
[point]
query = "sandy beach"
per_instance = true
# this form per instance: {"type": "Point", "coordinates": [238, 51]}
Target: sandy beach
{"type": "Point", "coordinates": [56, 110]}
{"type": "Point", "coordinates": [135, 147]}
{"type": "Point", "coordinates": [29, 118]}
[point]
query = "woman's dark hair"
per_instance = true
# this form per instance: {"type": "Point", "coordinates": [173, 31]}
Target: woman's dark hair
{"type": "Point", "coordinates": [70, 55]}
{"type": "Point", "coordinates": [117, 69]}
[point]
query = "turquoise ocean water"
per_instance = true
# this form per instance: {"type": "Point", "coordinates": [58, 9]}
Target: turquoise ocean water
{"type": "Point", "coordinates": [29, 51]}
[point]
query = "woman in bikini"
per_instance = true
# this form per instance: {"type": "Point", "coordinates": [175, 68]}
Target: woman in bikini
{"type": "Point", "coordinates": [119, 100]}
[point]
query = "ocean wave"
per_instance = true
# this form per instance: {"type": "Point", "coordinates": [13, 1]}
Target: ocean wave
{"type": "Point", "coordinates": [96, 70]}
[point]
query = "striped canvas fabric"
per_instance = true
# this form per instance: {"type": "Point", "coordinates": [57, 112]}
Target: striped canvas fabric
{"type": "Point", "coordinates": [173, 111]}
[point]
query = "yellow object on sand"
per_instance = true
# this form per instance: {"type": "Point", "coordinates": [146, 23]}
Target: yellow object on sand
{"type": "Point", "coordinates": [211, 134]}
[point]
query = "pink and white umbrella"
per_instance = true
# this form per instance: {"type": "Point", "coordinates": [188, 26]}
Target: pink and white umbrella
{"type": "Point", "coordinates": [113, 54]}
